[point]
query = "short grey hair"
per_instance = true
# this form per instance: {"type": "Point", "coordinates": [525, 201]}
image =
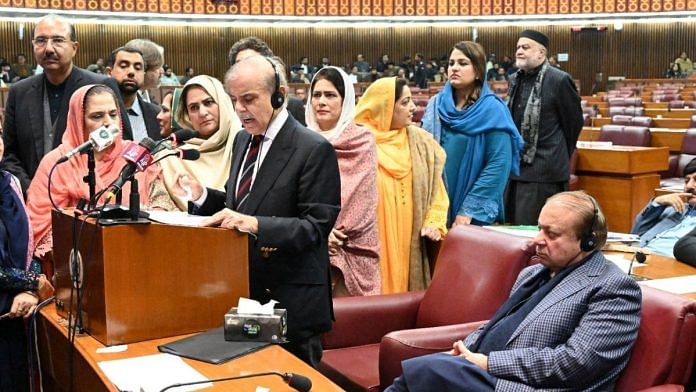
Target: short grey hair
{"type": "Point", "coordinates": [153, 54]}
{"type": "Point", "coordinates": [269, 80]}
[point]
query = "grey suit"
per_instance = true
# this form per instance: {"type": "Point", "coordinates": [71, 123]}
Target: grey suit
{"type": "Point", "coordinates": [150, 112]}
{"type": "Point", "coordinates": [24, 121]}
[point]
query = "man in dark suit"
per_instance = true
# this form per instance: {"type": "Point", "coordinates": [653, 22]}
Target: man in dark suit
{"type": "Point", "coordinates": [37, 107]}
{"type": "Point", "coordinates": [284, 189]}
{"type": "Point", "coordinates": [546, 108]}
{"type": "Point", "coordinates": [569, 324]}
{"type": "Point", "coordinates": [127, 67]}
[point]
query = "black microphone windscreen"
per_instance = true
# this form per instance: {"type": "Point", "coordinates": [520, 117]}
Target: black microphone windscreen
{"type": "Point", "coordinates": [189, 155]}
{"type": "Point", "coordinates": [298, 381]}
{"type": "Point", "coordinates": [148, 143]}
{"type": "Point", "coordinates": [183, 135]}
{"type": "Point", "coordinates": [640, 256]}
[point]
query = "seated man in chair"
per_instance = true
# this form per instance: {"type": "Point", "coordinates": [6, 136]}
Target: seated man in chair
{"type": "Point", "coordinates": [667, 218]}
{"type": "Point", "coordinates": [570, 321]}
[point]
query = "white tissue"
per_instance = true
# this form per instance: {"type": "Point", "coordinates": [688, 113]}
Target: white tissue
{"type": "Point", "coordinates": [250, 306]}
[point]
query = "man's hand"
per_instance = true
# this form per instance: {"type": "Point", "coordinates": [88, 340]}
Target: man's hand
{"type": "Point", "coordinates": [461, 220]}
{"type": "Point", "coordinates": [432, 233]}
{"type": "Point", "coordinates": [233, 220]}
{"type": "Point", "coordinates": [460, 350]}
{"type": "Point", "coordinates": [674, 200]}
{"type": "Point", "coordinates": [336, 241]}
{"type": "Point", "coordinates": [187, 186]}
{"type": "Point", "coordinates": [23, 304]}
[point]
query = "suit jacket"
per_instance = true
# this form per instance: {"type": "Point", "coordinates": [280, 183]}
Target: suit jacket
{"type": "Point", "coordinates": [579, 337]}
{"type": "Point", "coordinates": [24, 121]}
{"type": "Point", "coordinates": [296, 197]}
{"type": "Point", "coordinates": [150, 112]}
{"type": "Point", "coordinates": [653, 220]}
{"type": "Point", "coordinates": [685, 248]}
{"type": "Point", "coordinates": [297, 109]}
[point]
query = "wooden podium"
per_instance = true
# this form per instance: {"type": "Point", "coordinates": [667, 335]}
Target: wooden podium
{"type": "Point", "coordinates": [622, 179]}
{"type": "Point", "coordinates": [148, 281]}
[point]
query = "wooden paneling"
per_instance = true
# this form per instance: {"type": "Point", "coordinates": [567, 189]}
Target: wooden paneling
{"type": "Point", "coordinates": [639, 50]}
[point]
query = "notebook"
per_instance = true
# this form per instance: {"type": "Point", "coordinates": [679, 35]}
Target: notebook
{"type": "Point", "coordinates": [211, 347]}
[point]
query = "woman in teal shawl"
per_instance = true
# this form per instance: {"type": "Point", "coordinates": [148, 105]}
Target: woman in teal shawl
{"type": "Point", "coordinates": [476, 130]}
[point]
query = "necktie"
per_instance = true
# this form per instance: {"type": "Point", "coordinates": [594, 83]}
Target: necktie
{"type": "Point", "coordinates": [248, 170]}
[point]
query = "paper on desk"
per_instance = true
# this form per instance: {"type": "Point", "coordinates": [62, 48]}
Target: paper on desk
{"type": "Point", "coordinates": [250, 306]}
{"type": "Point", "coordinates": [151, 373]}
{"type": "Point", "coordinates": [678, 285]}
{"type": "Point", "coordinates": [623, 263]}
{"type": "Point", "coordinates": [177, 218]}
{"type": "Point", "coordinates": [532, 231]}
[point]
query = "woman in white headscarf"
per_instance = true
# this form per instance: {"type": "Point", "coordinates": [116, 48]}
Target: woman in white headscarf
{"type": "Point", "coordinates": [205, 107]}
{"type": "Point", "coordinates": [354, 240]}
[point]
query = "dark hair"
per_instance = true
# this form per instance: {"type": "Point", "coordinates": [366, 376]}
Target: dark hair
{"type": "Point", "coordinates": [115, 52]}
{"type": "Point", "coordinates": [333, 76]}
{"type": "Point", "coordinates": [65, 21]}
{"type": "Point", "coordinates": [690, 167]}
{"type": "Point", "coordinates": [254, 43]}
{"type": "Point", "coordinates": [477, 55]}
{"type": "Point", "coordinates": [400, 84]}
{"type": "Point", "coordinates": [99, 89]}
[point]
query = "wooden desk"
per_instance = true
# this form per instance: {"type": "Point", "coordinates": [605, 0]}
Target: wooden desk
{"type": "Point", "coordinates": [659, 137]}
{"type": "Point", "coordinates": [661, 267]}
{"type": "Point", "coordinates": [672, 123]}
{"type": "Point", "coordinates": [53, 347]}
{"type": "Point", "coordinates": [622, 179]}
{"type": "Point", "coordinates": [670, 113]}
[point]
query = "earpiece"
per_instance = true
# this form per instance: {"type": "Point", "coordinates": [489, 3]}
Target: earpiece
{"type": "Point", "coordinates": [588, 239]}
{"type": "Point", "coordinates": [277, 98]}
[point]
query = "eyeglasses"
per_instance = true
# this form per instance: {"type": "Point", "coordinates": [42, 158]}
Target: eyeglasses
{"type": "Point", "coordinates": [57, 41]}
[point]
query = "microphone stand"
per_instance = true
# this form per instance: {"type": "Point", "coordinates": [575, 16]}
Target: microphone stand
{"type": "Point", "coordinates": [134, 199]}
{"type": "Point", "coordinates": [91, 179]}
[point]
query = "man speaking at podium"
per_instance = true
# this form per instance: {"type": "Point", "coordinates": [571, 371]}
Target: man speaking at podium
{"type": "Point", "coordinates": [284, 190]}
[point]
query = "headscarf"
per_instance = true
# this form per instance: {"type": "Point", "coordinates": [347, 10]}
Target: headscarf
{"type": "Point", "coordinates": [487, 114]}
{"type": "Point", "coordinates": [375, 111]}
{"type": "Point", "coordinates": [347, 111]}
{"type": "Point", "coordinates": [212, 169]}
{"type": "Point", "coordinates": [67, 184]}
{"type": "Point", "coordinates": [176, 97]}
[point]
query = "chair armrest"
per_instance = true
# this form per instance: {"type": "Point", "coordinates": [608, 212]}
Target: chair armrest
{"type": "Point", "coordinates": [664, 388]}
{"type": "Point", "coordinates": [365, 320]}
{"type": "Point", "coordinates": [401, 345]}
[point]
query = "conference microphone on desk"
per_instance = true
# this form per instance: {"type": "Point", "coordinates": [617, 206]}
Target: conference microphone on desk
{"type": "Point", "coordinates": [640, 256]}
{"type": "Point", "coordinates": [99, 140]}
{"type": "Point", "coordinates": [297, 381]}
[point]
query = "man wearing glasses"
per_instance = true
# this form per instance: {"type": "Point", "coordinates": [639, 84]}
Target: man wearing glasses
{"type": "Point", "coordinates": [37, 107]}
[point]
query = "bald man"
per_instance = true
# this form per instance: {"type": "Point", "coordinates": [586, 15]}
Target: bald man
{"type": "Point", "coordinates": [284, 189]}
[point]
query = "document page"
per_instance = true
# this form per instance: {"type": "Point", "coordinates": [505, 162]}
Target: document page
{"type": "Point", "coordinates": [152, 373]}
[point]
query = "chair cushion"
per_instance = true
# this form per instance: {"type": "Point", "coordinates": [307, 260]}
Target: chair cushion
{"type": "Point", "coordinates": [689, 141]}
{"type": "Point", "coordinates": [353, 368]}
{"type": "Point", "coordinates": [625, 135]}
{"type": "Point", "coordinates": [622, 119]}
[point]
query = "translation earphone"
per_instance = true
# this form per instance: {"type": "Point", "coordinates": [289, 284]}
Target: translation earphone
{"type": "Point", "coordinates": [588, 239]}
{"type": "Point", "coordinates": [277, 98]}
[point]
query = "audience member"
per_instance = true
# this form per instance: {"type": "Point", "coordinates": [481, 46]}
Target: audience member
{"type": "Point", "coordinates": [501, 76]}
{"type": "Point", "coordinates": [286, 194]}
{"type": "Point", "coordinates": [22, 69]}
{"type": "Point", "coordinates": [361, 64]}
{"type": "Point", "coordinates": [97, 67]}
{"type": "Point", "coordinates": [669, 217]}
{"type": "Point", "coordinates": [300, 77]}
{"type": "Point", "coordinates": [153, 55]}
{"type": "Point", "coordinates": [420, 76]}
{"type": "Point", "coordinates": [383, 63]}
{"type": "Point", "coordinates": [685, 64]}
{"type": "Point", "coordinates": [491, 73]}
{"type": "Point", "coordinates": [164, 117]}
{"type": "Point", "coordinates": [353, 75]}
{"type": "Point", "coordinates": [685, 248]}
{"type": "Point", "coordinates": [478, 135]}
{"type": "Point", "coordinates": [91, 107]}
{"type": "Point", "coordinates": [441, 75]}
{"type": "Point", "coordinates": [36, 110]}
{"type": "Point", "coordinates": [206, 108]}
{"type": "Point", "coordinates": [324, 63]}
{"type": "Point", "coordinates": [188, 74]}
{"type": "Point", "coordinates": [304, 65]}
{"type": "Point", "coordinates": [6, 74]}
{"type": "Point", "coordinates": [569, 324]}
{"type": "Point", "coordinates": [546, 108]}
{"type": "Point", "coordinates": [21, 283]}
{"type": "Point", "coordinates": [301, 94]}
{"type": "Point", "coordinates": [354, 240]}
{"type": "Point", "coordinates": [168, 78]}
{"type": "Point", "coordinates": [127, 68]}
{"type": "Point", "coordinates": [412, 197]}
{"type": "Point", "coordinates": [673, 71]}
{"type": "Point", "coordinates": [251, 46]}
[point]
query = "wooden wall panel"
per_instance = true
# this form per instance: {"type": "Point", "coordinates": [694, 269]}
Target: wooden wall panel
{"type": "Point", "coordinates": [639, 50]}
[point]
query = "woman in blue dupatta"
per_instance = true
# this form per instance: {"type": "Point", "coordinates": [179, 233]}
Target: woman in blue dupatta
{"type": "Point", "coordinates": [478, 134]}
{"type": "Point", "coordinates": [20, 283]}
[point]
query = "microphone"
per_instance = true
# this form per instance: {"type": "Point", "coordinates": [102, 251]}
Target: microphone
{"type": "Point", "coordinates": [640, 256]}
{"type": "Point", "coordinates": [189, 155]}
{"type": "Point", "coordinates": [296, 381]}
{"type": "Point", "coordinates": [174, 140]}
{"type": "Point", "coordinates": [139, 157]}
{"type": "Point", "coordinates": [99, 139]}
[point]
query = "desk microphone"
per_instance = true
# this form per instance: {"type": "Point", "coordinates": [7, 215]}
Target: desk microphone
{"type": "Point", "coordinates": [640, 256]}
{"type": "Point", "coordinates": [296, 381]}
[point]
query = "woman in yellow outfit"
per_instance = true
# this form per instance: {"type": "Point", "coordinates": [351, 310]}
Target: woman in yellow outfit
{"type": "Point", "coordinates": [412, 197]}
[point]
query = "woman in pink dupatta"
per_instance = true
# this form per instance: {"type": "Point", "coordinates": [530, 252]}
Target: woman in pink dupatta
{"type": "Point", "coordinates": [91, 107]}
{"type": "Point", "coordinates": [354, 241]}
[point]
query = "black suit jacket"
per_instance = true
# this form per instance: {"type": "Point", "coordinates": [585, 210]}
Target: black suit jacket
{"type": "Point", "coordinates": [685, 248]}
{"type": "Point", "coordinates": [296, 198]}
{"type": "Point", "coordinates": [24, 121]}
{"type": "Point", "coordinates": [150, 112]}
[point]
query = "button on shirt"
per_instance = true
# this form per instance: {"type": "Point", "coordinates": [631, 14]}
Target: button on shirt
{"type": "Point", "coordinates": [137, 120]}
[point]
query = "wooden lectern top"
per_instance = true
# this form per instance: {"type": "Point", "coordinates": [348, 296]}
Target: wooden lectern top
{"type": "Point", "coordinates": [623, 160]}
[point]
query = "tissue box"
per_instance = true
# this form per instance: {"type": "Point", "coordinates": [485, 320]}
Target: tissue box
{"type": "Point", "coordinates": [252, 327]}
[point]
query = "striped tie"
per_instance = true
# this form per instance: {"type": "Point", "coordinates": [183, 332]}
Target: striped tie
{"type": "Point", "coordinates": [248, 171]}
